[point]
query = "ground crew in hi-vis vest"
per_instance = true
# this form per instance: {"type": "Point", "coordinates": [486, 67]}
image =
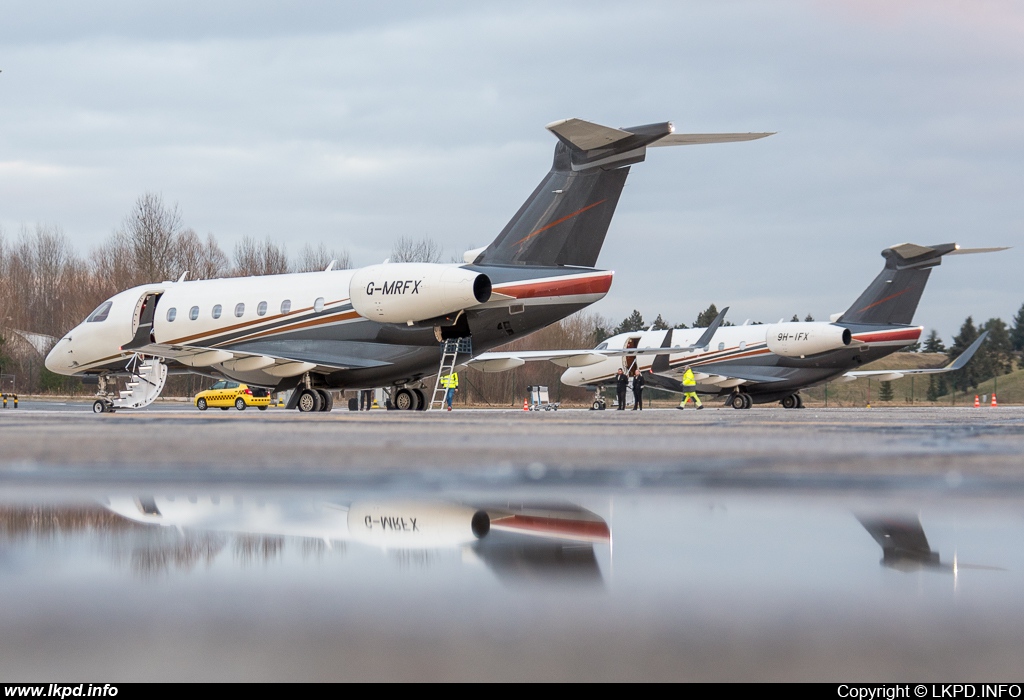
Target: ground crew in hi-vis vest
{"type": "Point", "coordinates": [451, 383]}
{"type": "Point", "coordinates": [689, 389]}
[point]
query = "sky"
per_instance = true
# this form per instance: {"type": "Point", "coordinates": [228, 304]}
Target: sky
{"type": "Point", "coordinates": [354, 124]}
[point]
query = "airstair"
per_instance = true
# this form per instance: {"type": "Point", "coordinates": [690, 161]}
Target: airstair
{"type": "Point", "coordinates": [450, 350]}
{"type": "Point", "coordinates": [147, 380]}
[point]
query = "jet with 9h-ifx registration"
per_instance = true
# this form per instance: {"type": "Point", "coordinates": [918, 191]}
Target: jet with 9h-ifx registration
{"type": "Point", "coordinates": [377, 326]}
{"type": "Point", "coordinates": [761, 363]}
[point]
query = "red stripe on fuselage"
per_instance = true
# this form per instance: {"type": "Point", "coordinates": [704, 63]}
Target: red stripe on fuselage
{"type": "Point", "coordinates": [558, 287]}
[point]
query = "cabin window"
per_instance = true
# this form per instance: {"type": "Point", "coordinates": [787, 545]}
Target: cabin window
{"type": "Point", "coordinates": [286, 306]}
{"type": "Point", "coordinates": [318, 305]}
{"type": "Point", "coordinates": [721, 346]}
{"type": "Point", "coordinates": [172, 313]}
{"type": "Point", "coordinates": [261, 310]}
{"type": "Point", "coordinates": [239, 310]}
{"type": "Point", "coordinates": [217, 310]}
{"type": "Point", "coordinates": [602, 346]}
{"type": "Point", "coordinates": [101, 313]}
{"type": "Point", "coordinates": [193, 313]}
{"type": "Point", "coordinates": [743, 345]}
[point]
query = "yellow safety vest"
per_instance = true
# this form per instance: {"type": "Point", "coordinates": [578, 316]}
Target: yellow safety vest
{"type": "Point", "coordinates": [450, 381]}
{"type": "Point", "coordinates": [688, 379]}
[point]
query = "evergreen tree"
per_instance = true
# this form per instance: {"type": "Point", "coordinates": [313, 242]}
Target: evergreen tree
{"type": "Point", "coordinates": [633, 322]}
{"type": "Point", "coordinates": [706, 317]}
{"type": "Point", "coordinates": [934, 343]}
{"type": "Point", "coordinates": [936, 386]}
{"type": "Point", "coordinates": [809, 318]}
{"type": "Point", "coordinates": [660, 324]}
{"type": "Point", "coordinates": [968, 376]}
{"type": "Point", "coordinates": [996, 353]}
{"type": "Point", "coordinates": [795, 319]}
{"type": "Point", "coordinates": [885, 392]}
{"type": "Point", "coordinates": [1017, 333]}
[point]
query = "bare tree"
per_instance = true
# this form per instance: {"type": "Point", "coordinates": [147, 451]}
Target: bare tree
{"type": "Point", "coordinates": [150, 232]}
{"type": "Point", "coordinates": [203, 261]}
{"type": "Point", "coordinates": [255, 258]}
{"type": "Point", "coordinates": [314, 259]}
{"type": "Point", "coordinates": [423, 250]}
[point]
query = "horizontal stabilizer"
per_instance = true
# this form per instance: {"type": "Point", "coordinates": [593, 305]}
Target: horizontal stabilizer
{"type": "Point", "coordinates": [585, 135]}
{"type": "Point", "coordinates": [696, 139]}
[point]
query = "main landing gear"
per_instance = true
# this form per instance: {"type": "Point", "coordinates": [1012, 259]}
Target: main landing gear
{"type": "Point", "coordinates": [740, 400]}
{"type": "Point", "coordinates": [792, 401]}
{"type": "Point", "coordinates": [315, 401]}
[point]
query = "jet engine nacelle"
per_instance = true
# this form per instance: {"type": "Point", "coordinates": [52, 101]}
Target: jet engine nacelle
{"type": "Point", "coordinates": [404, 292]}
{"type": "Point", "coordinates": [808, 338]}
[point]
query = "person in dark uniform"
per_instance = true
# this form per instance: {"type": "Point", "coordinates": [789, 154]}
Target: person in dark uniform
{"type": "Point", "coordinates": [365, 399]}
{"type": "Point", "coordinates": [638, 390]}
{"type": "Point", "coordinates": [621, 382]}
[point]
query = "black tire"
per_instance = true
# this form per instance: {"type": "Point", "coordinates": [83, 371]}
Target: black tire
{"type": "Point", "coordinates": [747, 401]}
{"type": "Point", "coordinates": [597, 406]}
{"type": "Point", "coordinates": [240, 403]}
{"type": "Point", "coordinates": [421, 400]}
{"type": "Point", "coordinates": [201, 404]}
{"type": "Point", "coordinates": [99, 406]}
{"type": "Point", "coordinates": [326, 400]}
{"type": "Point", "coordinates": [405, 400]}
{"type": "Point", "coordinates": [789, 401]}
{"type": "Point", "coordinates": [799, 400]}
{"type": "Point", "coordinates": [224, 408]}
{"type": "Point", "coordinates": [309, 401]}
{"type": "Point", "coordinates": [736, 401]}
{"type": "Point", "coordinates": [262, 408]}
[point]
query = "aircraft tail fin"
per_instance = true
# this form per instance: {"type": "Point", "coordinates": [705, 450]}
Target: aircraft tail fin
{"type": "Point", "coordinates": [565, 220]}
{"type": "Point", "coordinates": [893, 296]}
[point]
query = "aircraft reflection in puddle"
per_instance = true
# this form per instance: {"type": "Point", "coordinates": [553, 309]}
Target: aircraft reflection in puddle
{"type": "Point", "coordinates": [905, 546]}
{"type": "Point", "coordinates": [533, 542]}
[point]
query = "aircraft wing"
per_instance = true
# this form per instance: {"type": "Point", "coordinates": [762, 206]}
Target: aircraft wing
{"type": "Point", "coordinates": [504, 361]}
{"type": "Point", "coordinates": [241, 361]}
{"type": "Point", "coordinates": [887, 375]}
{"type": "Point", "coordinates": [694, 139]}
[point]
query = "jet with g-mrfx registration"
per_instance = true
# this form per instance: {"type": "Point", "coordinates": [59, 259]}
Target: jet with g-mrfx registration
{"type": "Point", "coordinates": [761, 363]}
{"type": "Point", "coordinates": [377, 326]}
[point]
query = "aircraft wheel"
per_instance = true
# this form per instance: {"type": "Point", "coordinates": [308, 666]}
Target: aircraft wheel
{"type": "Point", "coordinates": [789, 401]}
{"type": "Point", "coordinates": [405, 400]}
{"type": "Point", "coordinates": [309, 401]}
{"type": "Point", "coordinates": [747, 401]}
{"type": "Point", "coordinates": [736, 401]}
{"type": "Point", "coordinates": [597, 406]}
{"type": "Point", "coordinates": [201, 404]}
{"type": "Point", "coordinates": [799, 400]}
{"type": "Point", "coordinates": [421, 400]}
{"type": "Point", "coordinates": [99, 406]}
{"type": "Point", "coordinates": [240, 403]}
{"type": "Point", "coordinates": [326, 400]}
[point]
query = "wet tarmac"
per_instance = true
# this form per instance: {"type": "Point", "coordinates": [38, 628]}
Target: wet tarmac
{"type": "Point", "coordinates": [838, 545]}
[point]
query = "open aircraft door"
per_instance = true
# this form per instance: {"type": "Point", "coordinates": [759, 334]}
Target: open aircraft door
{"type": "Point", "coordinates": [629, 361]}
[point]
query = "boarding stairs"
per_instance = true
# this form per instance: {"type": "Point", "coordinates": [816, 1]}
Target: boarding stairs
{"type": "Point", "coordinates": [450, 350]}
{"type": "Point", "coordinates": [146, 381]}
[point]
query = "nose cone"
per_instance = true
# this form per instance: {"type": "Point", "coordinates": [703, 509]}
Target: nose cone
{"type": "Point", "coordinates": [58, 360]}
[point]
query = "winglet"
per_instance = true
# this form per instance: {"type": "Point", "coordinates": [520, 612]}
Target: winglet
{"type": "Point", "coordinates": [705, 338]}
{"type": "Point", "coordinates": [967, 354]}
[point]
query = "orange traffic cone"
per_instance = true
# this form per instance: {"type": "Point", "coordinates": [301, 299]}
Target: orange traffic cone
{"type": "Point", "coordinates": [526, 404]}
{"type": "Point", "coordinates": [977, 403]}
{"type": "Point", "coordinates": [994, 404]}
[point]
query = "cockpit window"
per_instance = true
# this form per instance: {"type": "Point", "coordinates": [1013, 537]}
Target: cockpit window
{"type": "Point", "coordinates": [101, 312]}
{"type": "Point", "coordinates": [602, 346]}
